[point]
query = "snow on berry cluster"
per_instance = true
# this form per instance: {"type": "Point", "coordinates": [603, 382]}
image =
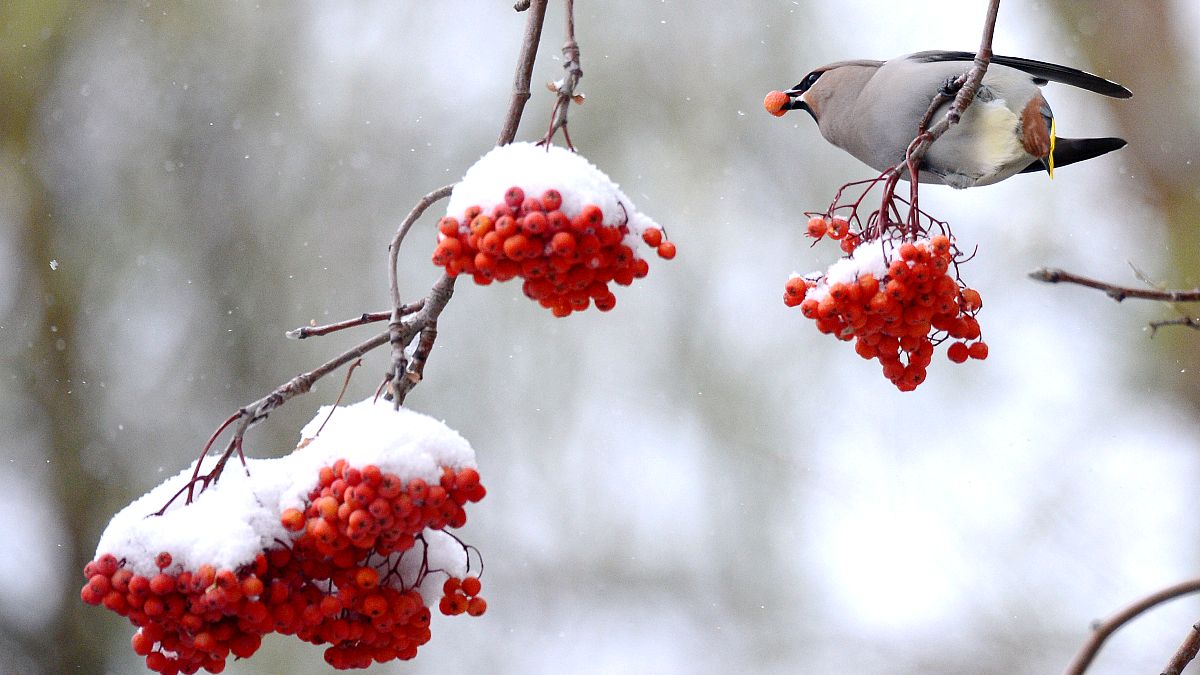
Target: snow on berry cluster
{"type": "Point", "coordinates": [896, 300]}
{"type": "Point", "coordinates": [547, 215]}
{"type": "Point", "coordinates": [341, 543]}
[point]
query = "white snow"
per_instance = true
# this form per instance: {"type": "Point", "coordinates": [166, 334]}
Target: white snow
{"type": "Point", "coordinates": [230, 522]}
{"type": "Point", "coordinates": [871, 258]}
{"type": "Point", "coordinates": [536, 169]}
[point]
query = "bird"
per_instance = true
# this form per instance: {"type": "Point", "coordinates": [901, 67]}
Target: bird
{"type": "Point", "coordinates": [872, 110]}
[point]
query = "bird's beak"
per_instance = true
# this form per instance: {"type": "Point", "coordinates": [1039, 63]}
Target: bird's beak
{"type": "Point", "coordinates": [779, 102]}
{"type": "Point", "coordinates": [796, 101]}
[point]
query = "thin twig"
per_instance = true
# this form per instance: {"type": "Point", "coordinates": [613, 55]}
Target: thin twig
{"type": "Point", "coordinates": [402, 377]}
{"type": "Point", "coordinates": [529, 47]}
{"type": "Point", "coordinates": [367, 318]}
{"type": "Point", "coordinates": [341, 394]}
{"type": "Point", "coordinates": [1103, 629]}
{"type": "Point", "coordinates": [406, 321]}
{"type": "Point", "coordinates": [1052, 275]}
{"type": "Point", "coordinates": [565, 88]}
{"type": "Point", "coordinates": [397, 335]}
{"type": "Point", "coordinates": [966, 93]}
{"type": "Point", "coordinates": [1192, 322]}
{"type": "Point", "coordinates": [966, 87]}
{"type": "Point", "coordinates": [246, 416]}
{"type": "Point", "coordinates": [398, 239]}
{"type": "Point", "coordinates": [1186, 652]}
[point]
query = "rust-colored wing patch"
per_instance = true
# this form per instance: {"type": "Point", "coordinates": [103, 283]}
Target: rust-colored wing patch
{"type": "Point", "coordinates": [1035, 127]}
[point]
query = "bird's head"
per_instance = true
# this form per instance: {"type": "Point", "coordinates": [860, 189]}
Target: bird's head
{"type": "Point", "coordinates": [822, 88]}
{"type": "Point", "coordinates": [797, 98]}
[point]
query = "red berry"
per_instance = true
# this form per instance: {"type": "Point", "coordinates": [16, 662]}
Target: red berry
{"type": "Point", "coordinates": [957, 352]}
{"type": "Point", "coordinates": [471, 586]}
{"type": "Point", "coordinates": [514, 197]}
{"type": "Point", "coordinates": [652, 236]}
{"type": "Point", "coordinates": [552, 199]}
{"type": "Point", "coordinates": [978, 350]}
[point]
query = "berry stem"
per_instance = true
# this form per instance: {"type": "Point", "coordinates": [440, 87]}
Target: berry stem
{"type": "Point", "coordinates": [366, 318]}
{"type": "Point", "coordinates": [566, 87]}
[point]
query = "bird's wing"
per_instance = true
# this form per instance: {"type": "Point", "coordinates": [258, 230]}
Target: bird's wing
{"type": "Point", "coordinates": [1041, 71]}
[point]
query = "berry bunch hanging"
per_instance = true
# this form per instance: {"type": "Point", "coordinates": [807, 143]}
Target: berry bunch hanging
{"type": "Point", "coordinates": [896, 299]}
{"type": "Point", "coordinates": [546, 215]}
{"type": "Point", "coordinates": [356, 552]}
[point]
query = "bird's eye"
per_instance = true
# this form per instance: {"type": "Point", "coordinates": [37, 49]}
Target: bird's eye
{"type": "Point", "coordinates": [808, 81]}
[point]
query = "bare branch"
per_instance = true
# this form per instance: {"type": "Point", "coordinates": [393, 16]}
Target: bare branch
{"type": "Point", "coordinates": [1192, 322]}
{"type": "Point", "coordinates": [367, 318]}
{"type": "Point", "coordinates": [1186, 652]}
{"type": "Point", "coordinates": [967, 86]}
{"type": "Point", "coordinates": [529, 47]}
{"type": "Point", "coordinates": [406, 321]}
{"type": "Point", "coordinates": [565, 88]}
{"type": "Point", "coordinates": [1103, 629]}
{"type": "Point", "coordinates": [398, 239]}
{"type": "Point", "coordinates": [1052, 275]}
{"type": "Point", "coordinates": [402, 376]}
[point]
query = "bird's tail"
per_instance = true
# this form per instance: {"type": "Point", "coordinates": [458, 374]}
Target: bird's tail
{"type": "Point", "coordinates": [1072, 150]}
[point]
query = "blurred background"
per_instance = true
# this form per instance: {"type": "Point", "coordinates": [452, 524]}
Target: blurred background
{"type": "Point", "coordinates": [697, 481]}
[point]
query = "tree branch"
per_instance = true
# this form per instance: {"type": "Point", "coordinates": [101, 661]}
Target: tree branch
{"type": "Point", "coordinates": [565, 88]}
{"type": "Point", "coordinates": [406, 321]}
{"type": "Point", "coordinates": [967, 85]}
{"type": "Point", "coordinates": [1186, 652]}
{"type": "Point", "coordinates": [529, 47]}
{"type": "Point", "coordinates": [1103, 629]}
{"type": "Point", "coordinates": [1052, 275]}
{"type": "Point", "coordinates": [366, 318]}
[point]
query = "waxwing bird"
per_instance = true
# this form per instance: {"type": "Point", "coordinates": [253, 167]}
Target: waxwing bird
{"type": "Point", "coordinates": [871, 109]}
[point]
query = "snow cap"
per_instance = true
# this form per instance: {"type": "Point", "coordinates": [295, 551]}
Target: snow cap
{"type": "Point", "coordinates": [236, 518]}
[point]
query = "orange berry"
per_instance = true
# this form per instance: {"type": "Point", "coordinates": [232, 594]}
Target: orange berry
{"type": "Point", "coordinates": [563, 244]}
{"type": "Point", "coordinates": [448, 226]}
{"type": "Point", "coordinates": [971, 301]}
{"type": "Point", "coordinates": [777, 103]}
{"type": "Point", "coordinates": [471, 586]}
{"type": "Point", "coordinates": [505, 226]}
{"type": "Point", "coordinates": [652, 236]}
{"type": "Point", "coordinates": [292, 520]}
{"type": "Point", "coordinates": [957, 352]}
{"type": "Point", "coordinates": [534, 222]}
{"type": "Point", "coordinates": [592, 215]}
{"type": "Point", "coordinates": [514, 246]}
{"type": "Point", "coordinates": [374, 605]}
{"type": "Point", "coordinates": [666, 250]}
{"type": "Point", "coordinates": [978, 350]}
{"type": "Point", "coordinates": [366, 577]}
{"type": "Point", "coordinates": [476, 606]}
{"type": "Point", "coordinates": [514, 196]}
{"type": "Point", "coordinates": [817, 227]}
{"type": "Point", "coordinates": [838, 227]}
{"type": "Point", "coordinates": [552, 199]}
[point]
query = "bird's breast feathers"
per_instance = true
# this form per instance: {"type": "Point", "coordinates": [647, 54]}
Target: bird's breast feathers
{"type": "Point", "coordinates": [985, 147]}
{"type": "Point", "coordinates": [997, 130]}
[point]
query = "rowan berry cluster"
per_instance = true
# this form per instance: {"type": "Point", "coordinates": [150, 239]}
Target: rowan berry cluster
{"type": "Point", "coordinates": [896, 303]}
{"type": "Point", "coordinates": [836, 228]}
{"type": "Point", "coordinates": [461, 594]}
{"type": "Point", "coordinates": [343, 578]}
{"type": "Point", "coordinates": [566, 260]}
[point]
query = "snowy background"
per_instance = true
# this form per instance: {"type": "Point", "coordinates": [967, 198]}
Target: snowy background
{"type": "Point", "coordinates": [697, 481]}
